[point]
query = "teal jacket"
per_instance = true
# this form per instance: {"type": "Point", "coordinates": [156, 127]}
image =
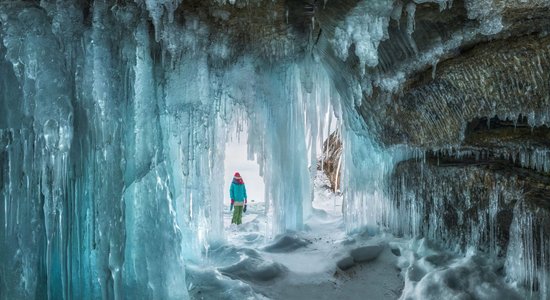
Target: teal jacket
{"type": "Point", "coordinates": [237, 192]}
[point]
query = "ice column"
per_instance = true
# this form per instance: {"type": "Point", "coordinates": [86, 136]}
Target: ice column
{"type": "Point", "coordinates": [285, 108]}
{"type": "Point", "coordinates": [35, 155]}
{"type": "Point", "coordinates": [150, 208]}
{"type": "Point", "coordinates": [193, 124]}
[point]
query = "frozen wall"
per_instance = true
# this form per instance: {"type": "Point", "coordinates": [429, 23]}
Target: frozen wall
{"type": "Point", "coordinates": [112, 131]}
{"type": "Point", "coordinates": [418, 80]}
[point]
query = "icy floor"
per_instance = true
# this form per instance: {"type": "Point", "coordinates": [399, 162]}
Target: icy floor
{"type": "Point", "coordinates": [324, 263]}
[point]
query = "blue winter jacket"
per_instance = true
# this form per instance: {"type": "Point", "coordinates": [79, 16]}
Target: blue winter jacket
{"type": "Point", "coordinates": [237, 191]}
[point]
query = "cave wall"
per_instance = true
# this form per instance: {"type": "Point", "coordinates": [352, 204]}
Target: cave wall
{"type": "Point", "coordinates": [463, 88]}
{"type": "Point", "coordinates": [114, 116]}
{"type": "Point", "coordinates": [484, 204]}
{"type": "Point", "coordinates": [464, 81]}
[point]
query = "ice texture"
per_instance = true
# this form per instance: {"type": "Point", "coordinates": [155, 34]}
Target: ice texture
{"type": "Point", "coordinates": [488, 13]}
{"type": "Point", "coordinates": [527, 262]}
{"type": "Point", "coordinates": [365, 26]}
{"type": "Point", "coordinates": [286, 243]}
{"type": "Point", "coordinates": [431, 273]}
{"type": "Point", "coordinates": [112, 136]}
{"type": "Point", "coordinates": [366, 253]}
{"type": "Point", "coordinates": [112, 146]}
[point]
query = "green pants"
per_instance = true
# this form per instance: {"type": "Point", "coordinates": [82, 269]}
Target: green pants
{"type": "Point", "coordinates": [237, 215]}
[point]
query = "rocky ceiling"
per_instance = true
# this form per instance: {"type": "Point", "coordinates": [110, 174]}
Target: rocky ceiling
{"type": "Point", "coordinates": [438, 65]}
{"type": "Point", "coordinates": [452, 68]}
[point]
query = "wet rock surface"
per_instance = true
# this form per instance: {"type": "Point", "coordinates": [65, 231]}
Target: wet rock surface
{"type": "Point", "coordinates": [505, 78]}
{"type": "Point", "coordinates": [440, 68]}
{"type": "Point", "coordinates": [274, 31]}
{"type": "Point", "coordinates": [471, 95]}
{"type": "Point", "coordinates": [488, 204]}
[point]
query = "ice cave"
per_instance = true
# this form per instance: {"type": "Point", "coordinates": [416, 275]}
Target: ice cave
{"type": "Point", "coordinates": [391, 149]}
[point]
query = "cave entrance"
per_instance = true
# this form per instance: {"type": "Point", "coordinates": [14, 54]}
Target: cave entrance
{"type": "Point", "coordinates": [277, 145]}
{"type": "Point", "coordinates": [238, 159]}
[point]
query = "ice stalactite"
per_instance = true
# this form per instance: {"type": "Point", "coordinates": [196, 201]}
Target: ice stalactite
{"type": "Point", "coordinates": [36, 154]}
{"type": "Point", "coordinates": [473, 207]}
{"type": "Point", "coordinates": [285, 123]}
{"type": "Point", "coordinates": [365, 27]}
{"type": "Point", "coordinates": [106, 155]}
{"type": "Point", "coordinates": [86, 144]}
{"type": "Point", "coordinates": [113, 141]}
{"type": "Point", "coordinates": [114, 119]}
{"type": "Point", "coordinates": [453, 215]}
{"type": "Point", "coordinates": [282, 108]}
{"type": "Point", "coordinates": [191, 117]}
{"type": "Point", "coordinates": [149, 196]}
{"type": "Point", "coordinates": [474, 187]}
{"type": "Point", "coordinates": [528, 259]}
{"type": "Point", "coordinates": [366, 167]}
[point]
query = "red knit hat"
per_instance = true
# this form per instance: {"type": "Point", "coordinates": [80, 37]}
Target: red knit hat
{"type": "Point", "coordinates": [237, 174]}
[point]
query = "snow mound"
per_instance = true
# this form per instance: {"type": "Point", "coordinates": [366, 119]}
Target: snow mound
{"type": "Point", "coordinates": [320, 213]}
{"type": "Point", "coordinates": [345, 263]}
{"type": "Point", "coordinates": [465, 279]}
{"type": "Point", "coordinates": [366, 253]}
{"type": "Point", "coordinates": [228, 254]}
{"type": "Point", "coordinates": [254, 268]}
{"type": "Point", "coordinates": [360, 254]}
{"type": "Point", "coordinates": [286, 243]}
{"type": "Point", "coordinates": [210, 284]}
{"type": "Point", "coordinates": [253, 225]}
{"type": "Point", "coordinates": [431, 273]}
{"type": "Point", "coordinates": [252, 238]}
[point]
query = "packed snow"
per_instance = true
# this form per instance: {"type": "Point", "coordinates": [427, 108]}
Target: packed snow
{"type": "Point", "coordinates": [325, 262]}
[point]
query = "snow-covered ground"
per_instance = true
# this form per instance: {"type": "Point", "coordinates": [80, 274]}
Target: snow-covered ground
{"type": "Point", "coordinates": [322, 262]}
{"type": "Point", "coordinates": [297, 265]}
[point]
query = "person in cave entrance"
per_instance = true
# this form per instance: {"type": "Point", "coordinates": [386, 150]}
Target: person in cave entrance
{"type": "Point", "coordinates": [237, 192]}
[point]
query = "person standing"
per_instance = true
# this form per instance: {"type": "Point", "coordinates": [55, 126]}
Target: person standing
{"type": "Point", "coordinates": [237, 192]}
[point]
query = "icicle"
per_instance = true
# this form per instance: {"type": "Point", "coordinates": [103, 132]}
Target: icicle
{"type": "Point", "coordinates": [286, 15]}
{"type": "Point", "coordinates": [411, 9]}
{"type": "Point", "coordinates": [434, 69]}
